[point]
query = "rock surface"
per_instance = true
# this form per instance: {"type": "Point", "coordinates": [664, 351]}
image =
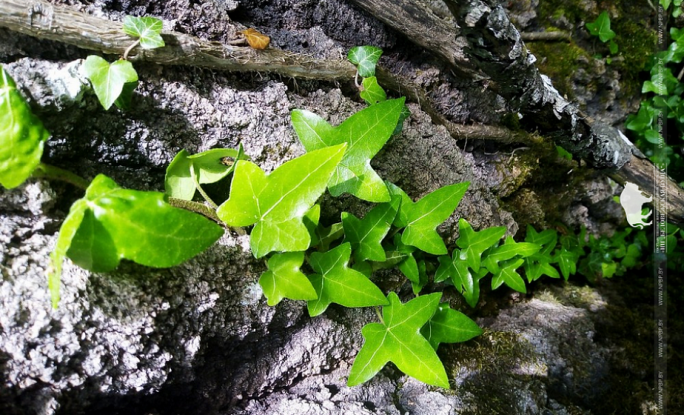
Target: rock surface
{"type": "Point", "coordinates": [200, 338]}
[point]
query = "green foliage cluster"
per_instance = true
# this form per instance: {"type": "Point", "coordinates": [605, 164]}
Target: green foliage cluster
{"type": "Point", "coordinates": [307, 260]}
{"type": "Point", "coordinates": [601, 29]}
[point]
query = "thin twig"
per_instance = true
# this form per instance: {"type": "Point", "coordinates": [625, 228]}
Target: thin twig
{"type": "Point", "coordinates": [48, 171]}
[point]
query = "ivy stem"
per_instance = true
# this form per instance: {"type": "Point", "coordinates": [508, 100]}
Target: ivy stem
{"type": "Point", "coordinates": [356, 80]}
{"type": "Point", "coordinates": [196, 207]}
{"type": "Point", "coordinates": [377, 311]}
{"type": "Point", "coordinates": [681, 73]}
{"type": "Point", "coordinates": [130, 48]}
{"type": "Point", "coordinates": [201, 191]}
{"type": "Point", "coordinates": [53, 172]}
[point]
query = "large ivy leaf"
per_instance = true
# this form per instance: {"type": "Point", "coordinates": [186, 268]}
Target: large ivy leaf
{"type": "Point", "coordinates": [508, 274]}
{"type": "Point", "coordinates": [111, 223]}
{"type": "Point", "coordinates": [147, 29]}
{"type": "Point", "coordinates": [508, 250]}
{"type": "Point", "coordinates": [365, 132]}
{"type": "Point", "coordinates": [276, 203]}
{"type": "Point", "coordinates": [21, 135]}
{"type": "Point", "coordinates": [335, 282]}
{"type": "Point", "coordinates": [284, 279]}
{"type": "Point", "coordinates": [449, 326]}
{"type": "Point", "coordinates": [422, 217]}
{"type": "Point", "coordinates": [398, 340]}
{"type": "Point", "coordinates": [473, 244]}
{"type": "Point", "coordinates": [186, 172]}
{"type": "Point", "coordinates": [365, 58]}
{"type": "Point", "coordinates": [366, 235]}
{"type": "Point", "coordinates": [601, 27]}
{"type": "Point", "coordinates": [108, 80]}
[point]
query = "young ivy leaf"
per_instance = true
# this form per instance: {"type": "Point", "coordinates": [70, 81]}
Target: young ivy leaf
{"type": "Point", "coordinates": [398, 340]}
{"type": "Point", "coordinates": [328, 235]}
{"type": "Point", "coordinates": [366, 235]}
{"type": "Point", "coordinates": [365, 132]}
{"type": "Point", "coordinates": [186, 172]}
{"type": "Point", "coordinates": [111, 223]}
{"type": "Point", "coordinates": [108, 80]}
{"type": "Point", "coordinates": [508, 274]}
{"type": "Point", "coordinates": [422, 217]}
{"type": "Point", "coordinates": [539, 264]}
{"type": "Point", "coordinates": [473, 244]}
{"type": "Point", "coordinates": [147, 29]}
{"type": "Point", "coordinates": [601, 27]}
{"type": "Point", "coordinates": [465, 281]}
{"type": "Point", "coordinates": [21, 135]}
{"type": "Point", "coordinates": [449, 326]}
{"type": "Point", "coordinates": [365, 58]}
{"type": "Point", "coordinates": [508, 250]}
{"type": "Point", "coordinates": [336, 283]}
{"type": "Point", "coordinates": [567, 262]}
{"type": "Point", "coordinates": [372, 92]}
{"type": "Point", "coordinates": [276, 203]}
{"type": "Point", "coordinates": [284, 279]}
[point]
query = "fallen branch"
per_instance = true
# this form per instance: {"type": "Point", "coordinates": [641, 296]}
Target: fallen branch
{"type": "Point", "coordinates": [45, 21]}
{"type": "Point", "coordinates": [545, 36]}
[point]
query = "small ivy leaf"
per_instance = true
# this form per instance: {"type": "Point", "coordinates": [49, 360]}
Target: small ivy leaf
{"type": "Point", "coordinates": [392, 260]}
{"type": "Point", "coordinates": [643, 119]}
{"type": "Point", "coordinates": [366, 268]}
{"type": "Point", "coordinates": [537, 264]}
{"type": "Point", "coordinates": [111, 223]}
{"type": "Point", "coordinates": [613, 47]}
{"type": "Point", "coordinates": [508, 250]}
{"type": "Point", "coordinates": [284, 279]}
{"type": "Point", "coordinates": [215, 164]}
{"type": "Point", "coordinates": [508, 274]}
{"type": "Point", "coordinates": [473, 244]}
{"type": "Point", "coordinates": [402, 215]}
{"type": "Point", "coordinates": [608, 269]}
{"type": "Point", "coordinates": [422, 217]}
{"type": "Point", "coordinates": [178, 181]}
{"type": "Point", "coordinates": [464, 281]}
{"type": "Point", "coordinates": [276, 203]}
{"type": "Point", "coordinates": [365, 58]}
{"type": "Point", "coordinates": [567, 262]}
{"type": "Point", "coordinates": [108, 80]}
{"type": "Point", "coordinates": [534, 270]}
{"type": "Point", "coordinates": [449, 326]}
{"type": "Point", "coordinates": [125, 100]}
{"type": "Point", "coordinates": [422, 278]}
{"type": "Point", "coordinates": [372, 92]}
{"type": "Point", "coordinates": [366, 235]}
{"type": "Point", "coordinates": [365, 132]}
{"type": "Point", "coordinates": [147, 29]}
{"type": "Point", "coordinates": [665, 3]}
{"type": "Point", "coordinates": [409, 267]}
{"type": "Point", "coordinates": [337, 283]}
{"type": "Point", "coordinates": [601, 27]}
{"type": "Point", "coordinates": [652, 136]}
{"type": "Point", "coordinates": [398, 340]}
{"type": "Point", "coordinates": [21, 135]}
{"type": "Point", "coordinates": [255, 39]}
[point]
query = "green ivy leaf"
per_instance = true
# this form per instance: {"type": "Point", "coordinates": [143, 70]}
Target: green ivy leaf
{"type": "Point", "coordinates": [147, 29]}
{"type": "Point", "coordinates": [108, 80]}
{"type": "Point", "coordinates": [337, 283]}
{"type": "Point", "coordinates": [538, 264]}
{"type": "Point", "coordinates": [284, 279]}
{"type": "Point", "coordinates": [665, 3]}
{"type": "Point", "coordinates": [186, 172]}
{"type": "Point", "coordinates": [372, 92]}
{"type": "Point", "coordinates": [613, 47]}
{"type": "Point", "coordinates": [643, 119]}
{"type": "Point", "coordinates": [398, 340]}
{"type": "Point", "coordinates": [601, 27]}
{"type": "Point", "coordinates": [422, 217]}
{"type": "Point", "coordinates": [508, 250]}
{"type": "Point", "coordinates": [508, 274]}
{"type": "Point", "coordinates": [125, 99]}
{"type": "Point", "coordinates": [567, 262]}
{"type": "Point", "coordinates": [365, 58]}
{"type": "Point", "coordinates": [276, 203]}
{"type": "Point", "coordinates": [456, 268]}
{"type": "Point", "coordinates": [449, 326]}
{"type": "Point", "coordinates": [365, 132]}
{"type": "Point", "coordinates": [473, 244]}
{"type": "Point", "coordinates": [405, 113]}
{"type": "Point", "coordinates": [328, 235]}
{"type": "Point", "coordinates": [21, 135]}
{"type": "Point", "coordinates": [111, 223]}
{"type": "Point", "coordinates": [366, 235]}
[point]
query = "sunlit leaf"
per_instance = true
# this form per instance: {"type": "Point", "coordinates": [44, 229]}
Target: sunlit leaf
{"type": "Point", "coordinates": [276, 203]}
{"type": "Point", "coordinates": [284, 279]}
{"type": "Point", "coordinates": [336, 283]}
{"type": "Point", "coordinates": [398, 340]}
{"type": "Point", "coordinates": [147, 29]}
{"type": "Point", "coordinates": [473, 244]}
{"type": "Point", "coordinates": [508, 274]}
{"type": "Point", "coordinates": [366, 235]}
{"type": "Point", "coordinates": [372, 92]}
{"type": "Point", "coordinates": [601, 27]}
{"type": "Point", "coordinates": [21, 135]}
{"type": "Point", "coordinates": [449, 326]}
{"type": "Point", "coordinates": [508, 250]}
{"type": "Point", "coordinates": [365, 58]}
{"type": "Point", "coordinates": [108, 80]}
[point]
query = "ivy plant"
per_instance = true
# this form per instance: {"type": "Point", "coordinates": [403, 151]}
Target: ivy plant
{"type": "Point", "coordinates": [601, 29]}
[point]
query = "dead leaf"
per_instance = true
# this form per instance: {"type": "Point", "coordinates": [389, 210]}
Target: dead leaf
{"type": "Point", "coordinates": [255, 39]}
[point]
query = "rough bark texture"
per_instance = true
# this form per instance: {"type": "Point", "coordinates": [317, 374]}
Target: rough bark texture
{"type": "Point", "coordinates": [199, 338]}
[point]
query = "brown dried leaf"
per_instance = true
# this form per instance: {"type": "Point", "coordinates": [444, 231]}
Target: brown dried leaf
{"type": "Point", "coordinates": [255, 39]}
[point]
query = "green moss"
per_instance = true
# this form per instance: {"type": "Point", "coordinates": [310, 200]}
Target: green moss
{"type": "Point", "coordinates": [559, 61]}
